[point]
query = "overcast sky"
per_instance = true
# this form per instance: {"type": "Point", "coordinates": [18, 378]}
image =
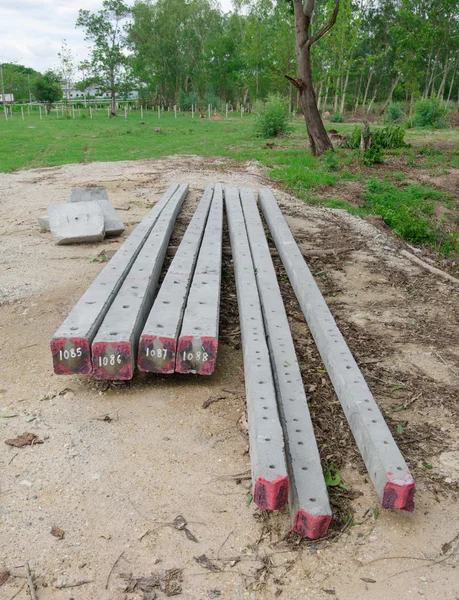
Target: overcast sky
{"type": "Point", "coordinates": [32, 31]}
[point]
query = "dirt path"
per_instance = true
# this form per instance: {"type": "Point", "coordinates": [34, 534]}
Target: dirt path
{"type": "Point", "coordinates": [115, 485]}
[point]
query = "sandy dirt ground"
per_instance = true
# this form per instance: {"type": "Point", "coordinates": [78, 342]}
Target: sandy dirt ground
{"type": "Point", "coordinates": [114, 484]}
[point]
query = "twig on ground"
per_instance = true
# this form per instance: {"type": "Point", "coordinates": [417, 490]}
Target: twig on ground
{"type": "Point", "coordinates": [74, 585]}
{"type": "Point", "coordinates": [106, 416]}
{"type": "Point", "coordinates": [112, 569]}
{"type": "Point", "coordinates": [452, 369]}
{"type": "Point", "coordinates": [427, 267]}
{"type": "Point", "coordinates": [33, 593]}
{"type": "Point", "coordinates": [13, 457]}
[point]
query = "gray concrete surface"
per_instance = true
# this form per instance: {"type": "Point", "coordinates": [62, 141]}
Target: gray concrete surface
{"type": "Point", "coordinates": [198, 343]}
{"type": "Point", "coordinates": [43, 223]}
{"type": "Point", "coordinates": [79, 223]}
{"type": "Point", "coordinates": [267, 455]}
{"type": "Point", "coordinates": [309, 505]}
{"type": "Point", "coordinates": [158, 341]}
{"type": "Point", "coordinates": [76, 333]}
{"type": "Point", "coordinates": [385, 464]}
{"type": "Point", "coordinates": [112, 223]}
{"type": "Point", "coordinates": [88, 194]}
{"type": "Point", "coordinates": [114, 349]}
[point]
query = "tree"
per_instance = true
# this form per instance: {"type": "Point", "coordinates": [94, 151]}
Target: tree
{"type": "Point", "coordinates": [107, 30]}
{"type": "Point", "coordinates": [47, 89]}
{"type": "Point", "coordinates": [66, 68]}
{"type": "Point", "coordinates": [318, 138]}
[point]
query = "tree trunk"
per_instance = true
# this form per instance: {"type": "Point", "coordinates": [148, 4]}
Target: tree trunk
{"type": "Point", "coordinates": [412, 104]}
{"type": "Point", "coordinates": [320, 95]}
{"type": "Point", "coordinates": [357, 98]}
{"type": "Point", "coordinates": [452, 81]}
{"type": "Point", "coordinates": [370, 75]}
{"type": "Point", "coordinates": [318, 138]}
{"type": "Point", "coordinates": [48, 107]}
{"type": "Point", "coordinates": [389, 97]}
{"type": "Point", "coordinates": [432, 75]}
{"type": "Point", "coordinates": [343, 91]}
{"type": "Point", "coordinates": [441, 89]}
{"type": "Point", "coordinates": [324, 105]}
{"type": "Point", "coordinates": [335, 104]}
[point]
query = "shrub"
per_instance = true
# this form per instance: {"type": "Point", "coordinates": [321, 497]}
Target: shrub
{"type": "Point", "coordinates": [373, 155]}
{"type": "Point", "coordinates": [387, 138]}
{"type": "Point", "coordinates": [393, 113]}
{"type": "Point", "coordinates": [336, 118]}
{"type": "Point", "coordinates": [331, 161]}
{"type": "Point", "coordinates": [429, 113]}
{"type": "Point", "coordinates": [273, 118]}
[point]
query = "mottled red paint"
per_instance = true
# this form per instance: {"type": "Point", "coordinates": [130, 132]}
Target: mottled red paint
{"type": "Point", "coordinates": [125, 370]}
{"type": "Point", "coordinates": [399, 496]}
{"type": "Point", "coordinates": [271, 495]}
{"type": "Point", "coordinates": [81, 365]}
{"type": "Point", "coordinates": [208, 344]}
{"type": "Point", "coordinates": [311, 526]}
{"type": "Point", "coordinates": [149, 365]}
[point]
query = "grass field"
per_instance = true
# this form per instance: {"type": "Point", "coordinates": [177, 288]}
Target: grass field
{"type": "Point", "coordinates": [419, 213]}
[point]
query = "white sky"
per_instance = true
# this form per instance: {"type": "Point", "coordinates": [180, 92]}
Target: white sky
{"type": "Point", "coordinates": [32, 31]}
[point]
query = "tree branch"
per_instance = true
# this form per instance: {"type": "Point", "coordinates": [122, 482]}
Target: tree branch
{"type": "Point", "coordinates": [296, 82]}
{"type": "Point", "coordinates": [326, 27]}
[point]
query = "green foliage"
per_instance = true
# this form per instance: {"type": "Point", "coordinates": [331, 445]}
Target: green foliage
{"type": "Point", "coordinates": [406, 210]}
{"type": "Point", "coordinates": [429, 113]}
{"type": "Point", "coordinates": [187, 99]}
{"type": "Point", "coordinates": [389, 137]}
{"type": "Point", "coordinates": [393, 113]}
{"type": "Point", "coordinates": [331, 161]}
{"type": "Point", "coordinates": [273, 118]}
{"type": "Point", "coordinates": [336, 118]}
{"type": "Point", "coordinates": [47, 89]}
{"type": "Point", "coordinates": [373, 155]}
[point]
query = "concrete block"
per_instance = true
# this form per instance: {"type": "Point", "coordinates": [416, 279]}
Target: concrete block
{"type": "Point", "coordinates": [71, 344]}
{"type": "Point", "coordinates": [198, 342]}
{"type": "Point", "coordinates": [43, 223]}
{"type": "Point", "coordinates": [309, 505]}
{"type": "Point", "coordinates": [114, 349]}
{"type": "Point", "coordinates": [88, 194]}
{"type": "Point", "coordinates": [267, 457]}
{"type": "Point", "coordinates": [158, 341]}
{"type": "Point", "coordinates": [81, 223]}
{"type": "Point", "coordinates": [385, 464]}
{"type": "Point", "coordinates": [112, 223]}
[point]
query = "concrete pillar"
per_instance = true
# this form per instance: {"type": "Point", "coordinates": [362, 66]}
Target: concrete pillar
{"type": "Point", "coordinates": [309, 506]}
{"type": "Point", "coordinates": [267, 457]}
{"type": "Point", "coordinates": [158, 342]}
{"type": "Point", "coordinates": [114, 349]}
{"type": "Point", "coordinates": [71, 344]}
{"type": "Point", "coordinates": [198, 343]}
{"type": "Point", "coordinates": [385, 464]}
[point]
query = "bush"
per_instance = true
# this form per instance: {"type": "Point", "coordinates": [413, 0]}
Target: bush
{"type": "Point", "coordinates": [373, 155]}
{"type": "Point", "coordinates": [273, 118]}
{"type": "Point", "coordinates": [387, 138]}
{"type": "Point", "coordinates": [336, 118]}
{"type": "Point", "coordinates": [186, 100]}
{"type": "Point", "coordinates": [393, 113]}
{"type": "Point", "coordinates": [429, 113]}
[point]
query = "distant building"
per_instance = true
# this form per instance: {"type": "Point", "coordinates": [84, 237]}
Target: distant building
{"type": "Point", "coordinates": [92, 91]}
{"type": "Point", "coordinates": [6, 98]}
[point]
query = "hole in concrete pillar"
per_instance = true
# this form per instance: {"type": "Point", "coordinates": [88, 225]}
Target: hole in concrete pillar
{"type": "Point", "coordinates": [73, 328]}
{"type": "Point", "coordinates": [265, 408]}
{"type": "Point", "coordinates": [165, 302]}
{"type": "Point", "coordinates": [304, 468]}
{"type": "Point", "coordinates": [272, 466]}
{"type": "Point", "coordinates": [90, 302]}
{"type": "Point", "coordinates": [369, 409]}
{"type": "Point", "coordinates": [113, 333]}
{"type": "Point", "coordinates": [202, 303]}
{"type": "Point", "coordinates": [386, 443]}
{"type": "Point", "coordinates": [300, 444]}
{"type": "Point", "coordinates": [267, 439]}
{"type": "Point", "coordinates": [298, 430]}
{"type": "Point", "coordinates": [134, 287]}
{"type": "Point", "coordinates": [312, 499]}
{"type": "Point", "coordinates": [261, 382]}
{"type": "Point", "coordinates": [265, 418]}
{"type": "Point", "coordinates": [159, 326]}
{"type": "Point", "coordinates": [374, 421]}
{"type": "Point", "coordinates": [348, 367]}
{"type": "Point", "coordinates": [126, 306]}
{"type": "Point", "coordinates": [399, 469]}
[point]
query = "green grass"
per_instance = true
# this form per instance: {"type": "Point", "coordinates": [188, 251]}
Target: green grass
{"type": "Point", "coordinates": [409, 210]}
